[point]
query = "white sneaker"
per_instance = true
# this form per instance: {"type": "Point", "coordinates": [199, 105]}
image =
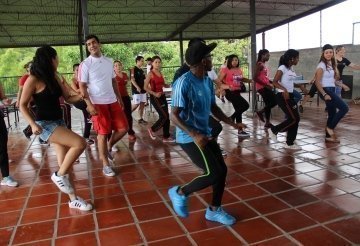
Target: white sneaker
{"type": "Point", "coordinates": [107, 171]}
{"type": "Point", "coordinates": [9, 181]}
{"type": "Point", "coordinates": [292, 147]}
{"type": "Point", "coordinates": [63, 183]}
{"type": "Point", "coordinates": [80, 204]}
{"type": "Point", "coordinates": [272, 135]}
{"type": "Point", "coordinates": [168, 140]}
{"type": "Point", "coordinates": [114, 148]}
{"type": "Point", "coordinates": [223, 152]}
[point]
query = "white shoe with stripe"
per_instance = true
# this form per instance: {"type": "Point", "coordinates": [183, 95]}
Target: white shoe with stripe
{"type": "Point", "coordinates": [80, 204]}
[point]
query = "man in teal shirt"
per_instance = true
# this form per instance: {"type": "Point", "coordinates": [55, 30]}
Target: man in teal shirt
{"type": "Point", "coordinates": [193, 100]}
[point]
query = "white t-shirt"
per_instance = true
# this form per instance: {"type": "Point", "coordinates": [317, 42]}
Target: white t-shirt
{"type": "Point", "coordinates": [97, 73]}
{"type": "Point", "coordinates": [287, 78]}
{"type": "Point", "coordinates": [148, 68]}
{"type": "Point", "coordinates": [328, 79]}
{"type": "Point", "coordinates": [212, 75]}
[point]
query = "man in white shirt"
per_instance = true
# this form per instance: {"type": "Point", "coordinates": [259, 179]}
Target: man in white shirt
{"type": "Point", "coordinates": [148, 65]}
{"type": "Point", "coordinates": [97, 82]}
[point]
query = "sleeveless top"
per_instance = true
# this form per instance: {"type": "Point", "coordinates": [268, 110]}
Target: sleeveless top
{"type": "Point", "coordinates": [262, 79]}
{"type": "Point", "coordinates": [233, 78]}
{"type": "Point", "coordinates": [157, 82]}
{"type": "Point", "coordinates": [48, 104]}
{"type": "Point", "coordinates": [122, 84]}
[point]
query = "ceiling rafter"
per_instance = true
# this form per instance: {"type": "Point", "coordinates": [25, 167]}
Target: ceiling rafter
{"type": "Point", "coordinates": [35, 22]}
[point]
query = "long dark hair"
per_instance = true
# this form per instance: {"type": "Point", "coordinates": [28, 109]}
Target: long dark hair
{"type": "Point", "coordinates": [153, 59]}
{"type": "Point", "coordinates": [43, 69]}
{"type": "Point", "coordinates": [229, 61]}
{"type": "Point", "coordinates": [286, 58]}
{"type": "Point", "coordinates": [261, 53]}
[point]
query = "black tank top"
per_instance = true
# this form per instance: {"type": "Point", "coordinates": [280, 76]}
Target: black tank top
{"type": "Point", "coordinates": [48, 105]}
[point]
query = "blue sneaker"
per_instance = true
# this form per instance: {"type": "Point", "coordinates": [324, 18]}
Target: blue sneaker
{"type": "Point", "coordinates": [219, 216]}
{"type": "Point", "coordinates": [179, 202]}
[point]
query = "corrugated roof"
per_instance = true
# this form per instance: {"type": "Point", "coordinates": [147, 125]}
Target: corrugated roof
{"type": "Point", "coordinates": [56, 22]}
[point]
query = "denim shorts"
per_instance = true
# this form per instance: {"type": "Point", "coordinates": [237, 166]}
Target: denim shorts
{"type": "Point", "coordinates": [48, 127]}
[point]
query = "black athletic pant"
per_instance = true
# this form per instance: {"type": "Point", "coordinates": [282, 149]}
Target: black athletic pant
{"type": "Point", "coordinates": [269, 98]}
{"type": "Point", "coordinates": [87, 123]}
{"type": "Point", "coordinates": [292, 118]}
{"type": "Point", "coordinates": [210, 160]}
{"type": "Point", "coordinates": [239, 103]}
{"type": "Point", "coordinates": [127, 109]}
{"type": "Point", "coordinates": [161, 107]}
{"type": "Point", "coordinates": [4, 158]}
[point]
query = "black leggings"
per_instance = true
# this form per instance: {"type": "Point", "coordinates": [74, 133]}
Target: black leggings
{"type": "Point", "coordinates": [4, 158]}
{"type": "Point", "coordinates": [161, 107]}
{"type": "Point", "coordinates": [269, 98]}
{"type": "Point", "coordinates": [87, 123]}
{"type": "Point", "coordinates": [212, 163]}
{"type": "Point", "coordinates": [239, 103]}
{"type": "Point", "coordinates": [127, 107]}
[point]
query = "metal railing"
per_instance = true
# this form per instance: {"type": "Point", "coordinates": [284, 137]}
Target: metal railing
{"type": "Point", "coordinates": [11, 84]}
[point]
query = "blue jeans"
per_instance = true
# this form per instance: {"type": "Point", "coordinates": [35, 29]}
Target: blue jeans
{"type": "Point", "coordinates": [336, 107]}
{"type": "Point", "coordinates": [297, 96]}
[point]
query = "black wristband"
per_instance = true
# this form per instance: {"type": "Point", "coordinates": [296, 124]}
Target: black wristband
{"type": "Point", "coordinates": [324, 94]}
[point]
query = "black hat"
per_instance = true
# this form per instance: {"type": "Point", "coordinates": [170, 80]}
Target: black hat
{"type": "Point", "coordinates": [197, 51]}
{"type": "Point", "coordinates": [327, 47]}
{"type": "Point", "coordinates": [195, 40]}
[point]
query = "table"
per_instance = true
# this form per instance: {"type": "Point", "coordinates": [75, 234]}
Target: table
{"type": "Point", "coordinates": [301, 82]}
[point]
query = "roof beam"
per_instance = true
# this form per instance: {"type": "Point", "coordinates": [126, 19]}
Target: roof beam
{"type": "Point", "coordinates": [195, 18]}
{"type": "Point", "coordinates": [295, 17]}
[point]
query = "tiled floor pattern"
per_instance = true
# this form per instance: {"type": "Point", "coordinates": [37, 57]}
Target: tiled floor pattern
{"type": "Point", "coordinates": [280, 197]}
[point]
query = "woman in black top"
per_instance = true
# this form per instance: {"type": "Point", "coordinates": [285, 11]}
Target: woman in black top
{"type": "Point", "coordinates": [342, 62]}
{"type": "Point", "coordinates": [4, 158]}
{"type": "Point", "coordinates": [45, 86]}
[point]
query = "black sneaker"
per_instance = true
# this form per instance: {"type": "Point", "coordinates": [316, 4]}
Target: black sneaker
{"type": "Point", "coordinates": [268, 125]}
{"type": "Point", "coordinates": [43, 142]}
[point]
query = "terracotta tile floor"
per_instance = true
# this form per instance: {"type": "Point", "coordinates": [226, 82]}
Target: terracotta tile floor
{"type": "Point", "coordinates": [280, 197]}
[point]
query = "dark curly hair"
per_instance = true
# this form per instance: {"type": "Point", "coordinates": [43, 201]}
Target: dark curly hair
{"type": "Point", "coordinates": [43, 69]}
{"type": "Point", "coordinates": [289, 54]}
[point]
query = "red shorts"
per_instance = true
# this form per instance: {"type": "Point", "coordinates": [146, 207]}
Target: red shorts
{"type": "Point", "coordinates": [109, 117]}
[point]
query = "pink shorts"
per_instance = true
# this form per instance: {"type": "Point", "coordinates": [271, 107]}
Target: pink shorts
{"type": "Point", "coordinates": [109, 117]}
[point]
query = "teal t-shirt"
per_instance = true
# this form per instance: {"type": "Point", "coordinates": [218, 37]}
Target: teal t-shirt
{"type": "Point", "coordinates": [195, 96]}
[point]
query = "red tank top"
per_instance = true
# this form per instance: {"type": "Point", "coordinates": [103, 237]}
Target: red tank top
{"type": "Point", "coordinates": [262, 77]}
{"type": "Point", "coordinates": [122, 84]}
{"type": "Point", "coordinates": [157, 82]}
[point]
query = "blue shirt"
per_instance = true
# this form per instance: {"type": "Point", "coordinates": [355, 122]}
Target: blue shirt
{"type": "Point", "coordinates": [195, 96]}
